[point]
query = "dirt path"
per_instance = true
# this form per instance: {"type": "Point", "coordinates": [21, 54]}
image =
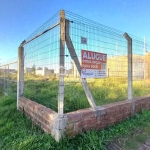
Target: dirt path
{"type": "Point", "coordinates": [117, 146]}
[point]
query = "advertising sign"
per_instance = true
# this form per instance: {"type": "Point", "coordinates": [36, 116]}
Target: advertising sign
{"type": "Point", "coordinates": [93, 64]}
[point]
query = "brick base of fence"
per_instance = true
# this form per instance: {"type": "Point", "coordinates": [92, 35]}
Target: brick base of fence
{"type": "Point", "coordinates": [82, 120]}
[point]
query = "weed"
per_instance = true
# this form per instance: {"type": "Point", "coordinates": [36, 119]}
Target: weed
{"type": "Point", "coordinates": [17, 132]}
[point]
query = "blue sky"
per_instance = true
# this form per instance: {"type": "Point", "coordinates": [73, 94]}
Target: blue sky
{"type": "Point", "coordinates": [19, 18]}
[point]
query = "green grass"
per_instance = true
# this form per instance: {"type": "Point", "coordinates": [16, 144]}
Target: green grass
{"type": "Point", "coordinates": [18, 133]}
{"type": "Point", "coordinates": [104, 91]}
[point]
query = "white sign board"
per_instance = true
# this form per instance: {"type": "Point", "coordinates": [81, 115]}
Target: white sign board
{"type": "Point", "coordinates": [93, 64]}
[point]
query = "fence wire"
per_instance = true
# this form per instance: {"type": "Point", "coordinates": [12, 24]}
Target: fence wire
{"type": "Point", "coordinates": [8, 77]}
{"type": "Point", "coordinates": [42, 59]}
{"type": "Point", "coordinates": [41, 65]}
{"type": "Point", "coordinates": [141, 67]}
{"type": "Point", "coordinates": [100, 38]}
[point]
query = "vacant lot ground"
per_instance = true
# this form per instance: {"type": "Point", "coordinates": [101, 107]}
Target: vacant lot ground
{"type": "Point", "coordinates": [18, 133]}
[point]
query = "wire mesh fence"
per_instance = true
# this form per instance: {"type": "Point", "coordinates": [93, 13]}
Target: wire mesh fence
{"type": "Point", "coordinates": [141, 67]}
{"type": "Point", "coordinates": [8, 77]}
{"type": "Point", "coordinates": [41, 65]}
{"type": "Point", "coordinates": [102, 39]}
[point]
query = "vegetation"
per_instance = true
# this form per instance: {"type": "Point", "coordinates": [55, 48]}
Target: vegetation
{"type": "Point", "coordinates": [18, 133]}
{"type": "Point", "coordinates": [45, 91]}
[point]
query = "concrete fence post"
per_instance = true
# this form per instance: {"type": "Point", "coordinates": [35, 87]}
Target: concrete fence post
{"type": "Point", "coordinates": [130, 79]}
{"type": "Point", "coordinates": [130, 88]}
{"type": "Point", "coordinates": [60, 123]}
{"type": "Point", "coordinates": [78, 66]}
{"type": "Point", "coordinates": [20, 76]}
{"type": "Point", "coordinates": [61, 65]}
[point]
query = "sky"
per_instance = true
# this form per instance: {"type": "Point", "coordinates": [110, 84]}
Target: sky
{"type": "Point", "coordinates": [19, 18]}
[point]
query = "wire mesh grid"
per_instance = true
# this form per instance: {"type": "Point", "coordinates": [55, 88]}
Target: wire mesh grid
{"type": "Point", "coordinates": [141, 66]}
{"type": "Point", "coordinates": [99, 38]}
{"type": "Point", "coordinates": [41, 65]}
{"type": "Point", "coordinates": [8, 77]}
{"type": "Point", "coordinates": [51, 22]}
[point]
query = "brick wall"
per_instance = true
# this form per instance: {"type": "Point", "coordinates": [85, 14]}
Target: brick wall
{"type": "Point", "coordinates": [38, 113]}
{"type": "Point", "coordinates": [82, 120]}
{"type": "Point", "coordinates": [86, 119]}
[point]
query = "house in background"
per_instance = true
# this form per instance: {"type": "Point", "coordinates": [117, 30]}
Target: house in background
{"type": "Point", "coordinates": [44, 71]}
{"type": "Point", "coordinates": [28, 70]}
{"type": "Point", "coordinates": [39, 71]}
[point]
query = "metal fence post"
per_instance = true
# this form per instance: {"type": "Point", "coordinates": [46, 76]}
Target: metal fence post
{"type": "Point", "coordinates": [20, 76]}
{"type": "Point", "coordinates": [130, 88]}
{"type": "Point", "coordinates": [61, 65]}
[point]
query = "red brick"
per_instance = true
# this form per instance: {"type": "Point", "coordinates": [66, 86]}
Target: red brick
{"type": "Point", "coordinates": [49, 114]}
{"type": "Point", "coordinates": [119, 111]}
{"type": "Point", "coordinates": [74, 117]}
{"type": "Point", "coordinates": [110, 110]}
{"type": "Point", "coordinates": [87, 128]}
{"type": "Point", "coordinates": [31, 105]}
{"type": "Point", "coordinates": [46, 128]}
{"type": "Point", "coordinates": [85, 122]}
{"type": "Point", "coordinates": [98, 125]}
{"type": "Point", "coordinates": [103, 124]}
{"type": "Point", "coordinates": [28, 111]}
{"type": "Point", "coordinates": [71, 134]}
{"type": "Point", "coordinates": [119, 118]}
{"type": "Point", "coordinates": [112, 120]}
{"type": "Point", "coordinates": [93, 121]}
{"type": "Point", "coordinates": [124, 110]}
{"type": "Point", "coordinates": [101, 118]}
{"type": "Point", "coordinates": [47, 122]}
{"type": "Point", "coordinates": [39, 117]}
{"type": "Point", "coordinates": [20, 105]}
{"type": "Point", "coordinates": [35, 120]}
{"type": "Point", "coordinates": [127, 114]}
{"type": "Point", "coordinates": [106, 117]}
{"type": "Point", "coordinates": [38, 108]}
{"type": "Point", "coordinates": [78, 127]}
{"type": "Point", "coordinates": [70, 127]}
{"type": "Point", "coordinates": [86, 113]}
{"type": "Point", "coordinates": [20, 108]}
{"type": "Point", "coordinates": [21, 99]}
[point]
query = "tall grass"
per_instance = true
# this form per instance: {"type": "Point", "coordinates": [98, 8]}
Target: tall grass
{"type": "Point", "coordinates": [45, 91]}
{"type": "Point", "coordinates": [17, 132]}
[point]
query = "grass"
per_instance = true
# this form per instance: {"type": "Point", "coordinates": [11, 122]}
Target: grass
{"type": "Point", "coordinates": [18, 133]}
{"type": "Point", "coordinates": [133, 139]}
{"type": "Point", "coordinates": [45, 91]}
